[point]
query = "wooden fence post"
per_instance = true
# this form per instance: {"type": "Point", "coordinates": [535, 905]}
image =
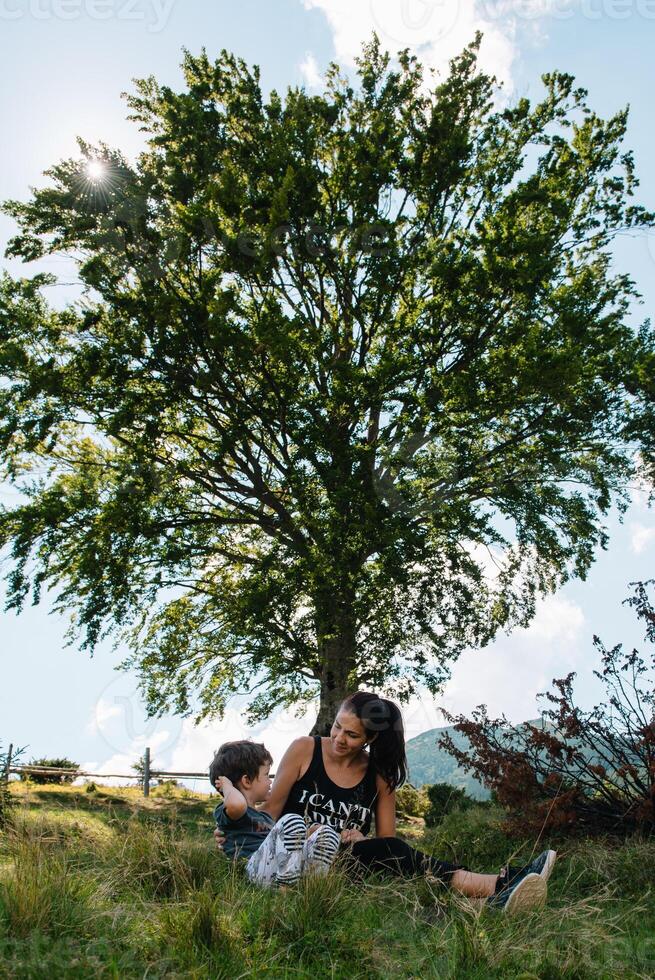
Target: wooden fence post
{"type": "Point", "coordinates": [8, 766]}
{"type": "Point", "coordinates": [146, 772]}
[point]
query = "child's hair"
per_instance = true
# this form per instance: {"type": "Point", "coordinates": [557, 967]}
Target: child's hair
{"type": "Point", "coordinates": [382, 718]}
{"type": "Point", "coordinates": [238, 759]}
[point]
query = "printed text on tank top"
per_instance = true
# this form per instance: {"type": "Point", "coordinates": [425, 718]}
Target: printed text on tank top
{"type": "Point", "coordinates": [322, 801]}
{"type": "Point", "coordinates": [339, 815]}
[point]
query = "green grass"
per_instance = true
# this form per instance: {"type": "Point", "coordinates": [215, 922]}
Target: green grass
{"type": "Point", "coordinates": [107, 884]}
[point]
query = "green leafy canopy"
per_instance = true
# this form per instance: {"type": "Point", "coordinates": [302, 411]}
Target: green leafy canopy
{"type": "Point", "coordinates": [350, 383]}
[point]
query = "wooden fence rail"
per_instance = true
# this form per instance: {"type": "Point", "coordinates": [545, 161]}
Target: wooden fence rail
{"type": "Point", "coordinates": [73, 773]}
{"type": "Point", "coordinates": [148, 773]}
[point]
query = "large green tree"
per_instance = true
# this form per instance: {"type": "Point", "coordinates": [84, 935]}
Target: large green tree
{"type": "Point", "coordinates": [350, 384]}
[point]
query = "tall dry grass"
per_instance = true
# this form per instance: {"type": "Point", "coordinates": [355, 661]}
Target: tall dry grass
{"type": "Point", "coordinates": [84, 896]}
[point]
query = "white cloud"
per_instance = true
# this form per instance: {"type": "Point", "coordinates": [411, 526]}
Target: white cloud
{"type": "Point", "coordinates": [490, 559]}
{"type": "Point", "coordinates": [104, 712]}
{"type": "Point", "coordinates": [196, 745]}
{"type": "Point", "coordinates": [437, 30]}
{"type": "Point", "coordinates": [421, 714]}
{"type": "Point", "coordinates": [119, 719]}
{"type": "Point", "coordinates": [507, 675]}
{"type": "Point", "coordinates": [281, 728]}
{"type": "Point", "coordinates": [557, 618]}
{"type": "Point", "coordinates": [310, 73]}
{"type": "Point", "coordinates": [641, 537]}
{"type": "Point", "coordinates": [120, 763]}
{"type": "Point", "coordinates": [178, 745]}
{"type": "Point", "coordinates": [192, 747]}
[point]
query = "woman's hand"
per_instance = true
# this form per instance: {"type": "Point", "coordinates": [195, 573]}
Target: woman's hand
{"type": "Point", "coordinates": [350, 836]}
{"type": "Point", "coordinates": [219, 839]}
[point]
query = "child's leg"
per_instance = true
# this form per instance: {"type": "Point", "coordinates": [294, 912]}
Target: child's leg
{"type": "Point", "coordinates": [289, 856]}
{"type": "Point", "coordinates": [320, 850]}
{"type": "Point", "coordinates": [280, 853]}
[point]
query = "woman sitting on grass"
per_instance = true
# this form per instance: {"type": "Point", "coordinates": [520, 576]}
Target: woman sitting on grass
{"type": "Point", "coordinates": [335, 781]}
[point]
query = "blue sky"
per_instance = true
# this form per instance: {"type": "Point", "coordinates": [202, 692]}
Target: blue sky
{"type": "Point", "coordinates": [63, 65]}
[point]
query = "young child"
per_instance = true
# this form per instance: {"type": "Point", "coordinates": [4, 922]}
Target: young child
{"type": "Point", "coordinates": [277, 853]}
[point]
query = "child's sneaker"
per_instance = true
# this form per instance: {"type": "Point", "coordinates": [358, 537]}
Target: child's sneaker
{"type": "Point", "coordinates": [527, 891]}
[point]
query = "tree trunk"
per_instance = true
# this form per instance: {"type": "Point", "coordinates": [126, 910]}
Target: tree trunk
{"type": "Point", "coordinates": [337, 655]}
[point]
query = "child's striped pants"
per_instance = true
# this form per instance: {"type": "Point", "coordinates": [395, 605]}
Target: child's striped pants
{"type": "Point", "coordinates": [287, 853]}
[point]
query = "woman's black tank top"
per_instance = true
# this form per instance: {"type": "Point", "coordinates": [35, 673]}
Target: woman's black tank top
{"type": "Point", "coordinates": [316, 798]}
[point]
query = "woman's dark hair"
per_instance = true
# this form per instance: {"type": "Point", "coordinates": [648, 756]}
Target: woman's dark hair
{"type": "Point", "coordinates": [382, 718]}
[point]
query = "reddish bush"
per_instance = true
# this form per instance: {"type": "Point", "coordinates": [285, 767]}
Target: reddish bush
{"type": "Point", "coordinates": [592, 771]}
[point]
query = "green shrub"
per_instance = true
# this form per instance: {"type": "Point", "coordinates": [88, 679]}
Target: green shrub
{"type": "Point", "coordinates": [411, 802]}
{"type": "Point", "coordinates": [443, 799]}
{"type": "Point", "coordinates": [139, 769]}
{"type": "Point", "coordinates": [42, 779]}
{"type": "Point", "coordinates": [165, 789]}
{"type": "Point", "coordinates": [7, 801]}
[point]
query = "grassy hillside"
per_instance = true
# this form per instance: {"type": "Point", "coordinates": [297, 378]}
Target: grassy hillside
{"type": "Point", "coordinates": [107, 884]}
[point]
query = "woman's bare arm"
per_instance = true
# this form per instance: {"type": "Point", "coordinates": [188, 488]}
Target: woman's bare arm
{"type": "Point", "coordinates": [287, 773]}
{"type": "Point", "coordinates": [385, 809]}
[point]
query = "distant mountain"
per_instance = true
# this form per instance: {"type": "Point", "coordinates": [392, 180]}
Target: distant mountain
{"type": "Point", "coordinates": [428, 763]}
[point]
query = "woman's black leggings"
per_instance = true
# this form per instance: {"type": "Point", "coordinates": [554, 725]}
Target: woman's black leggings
{"type": "Point", "coordinates": [392, 856]}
